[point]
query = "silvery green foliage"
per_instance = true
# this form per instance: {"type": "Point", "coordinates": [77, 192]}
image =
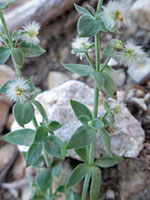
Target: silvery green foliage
{"type": "Point", "coordinates": [45, 149]}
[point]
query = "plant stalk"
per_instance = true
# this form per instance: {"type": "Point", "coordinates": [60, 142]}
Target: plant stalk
{"type": "Point", "coordinates": [85, 186]}
{"type": "Point", "coordinates": [100, 3]}
{"type": "Point", "coordinates": [90, 61]}
{"type": "Point", "coordinates": [95, 112]}
{"type": "Point", "coordinates": [5, 28]}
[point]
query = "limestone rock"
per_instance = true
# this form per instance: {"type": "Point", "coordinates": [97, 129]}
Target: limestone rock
{"type": "Point", "coordinates": [141, 72]}
{"type": "Point", "coordinates": [119, 78]}
{"type": "Point", "coordinates": [140, 13]}
{"type": "Point", "coordinates": [126, 141]}
{"type": "Point", "coordinates": [56, 78]}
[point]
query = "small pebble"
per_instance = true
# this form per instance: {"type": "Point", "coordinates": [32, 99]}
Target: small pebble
{"type": "Point", "coordinates": [139, 93]}
{"type": "Point", "coordinates": [110, 194]}
{"type": "Point", "coordinates": [147, 97]}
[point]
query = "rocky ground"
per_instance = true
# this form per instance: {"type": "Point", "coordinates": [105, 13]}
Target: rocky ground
{"type": "Point", "coordinates": [130, 180]}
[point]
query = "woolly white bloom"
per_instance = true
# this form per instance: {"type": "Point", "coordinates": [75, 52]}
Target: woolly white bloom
{"type": "Point", "coordinates": [131, 55]}
{"type": "Point", "coordinates": [81, 43]}
{"type": "Point", "coordinates": [18, 90]}
{"type": "Point", "coordinates": [115, 14]}
{"type": "Point", "coordinates": [117, 106]}
{"type": "Point", "coordinates": [32, 30]}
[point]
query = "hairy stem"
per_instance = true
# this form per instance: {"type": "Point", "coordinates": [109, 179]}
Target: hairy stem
{"type": "Point", "coordinates": [105, 64]}
{"type": "Point", "coordinates": [100, 3]}
{"type": "Point", "coordinates": [85, 186]}
{"type": "Point", "coordinates": [6, 29]}
{"type": "Point", "coordinates": [90, 61]}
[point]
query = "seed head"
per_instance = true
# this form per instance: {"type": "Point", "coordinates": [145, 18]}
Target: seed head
{"type": "Point", "coordinates": [31, 32]}
{"type": "Point", "coordinates": [81, 43]}
{"type": "Point", "coordinates": [115, 14]}
{"type": "Point", "coordinates": [18, 90]}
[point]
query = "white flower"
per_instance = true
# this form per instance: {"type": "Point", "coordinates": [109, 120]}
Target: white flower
{"type": "Point", "coordinates": [18, 90]}
{"type": "Point", "coordinates": [117, 106]}
{"type": "Point", "coordinates": [115, 14]}
{"type": "Point", "coordinates": [81, 43]}
{"type": "Point", "coordinates": [131, 55]}
{"type": "Point", "coordinates": [32, 30]}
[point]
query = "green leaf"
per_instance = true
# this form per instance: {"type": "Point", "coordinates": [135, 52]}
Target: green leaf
{"type": "Point", "coordinates": [96, 183]}
{"type": "Point", "coordinates": [84, 119]}
{"type": "Point", "coordinates": [107, 161]}
{"type": "Point", "coordinates": [109, 85]}
{"type": "Point", "coordinates": [88, 26]}
{"type": "Point", "coordinates": [54, 146]}
{"type": "Point", "coordinates": [106, 105]}
{"type": "Point", "coordinates": [106, 140]}
{"type": "Point", "coordinates": [56, 170]}
{"type": "Point", "coordinates": [16, 35]}
{"type": "Point", "coordinates": [18, 56]}
{"type": "Point", "coordinates": [4, 88]}
{"type": "Point", "coordinates": [82, 10]}
{"type": "Point", "coordinates": [80, 109]}
{"type": "Point", "coordinates": [23, 113]}
{"type": "Point", "coordinates": [33, 154]}
{"type": "Point", "coordinates": [109, 50]}
{"type": "Point", "coordinates": [97, 124]}
{"type": "Point", "coordinates": [3, 5]}
{"type": "Point", "coordinates": [44, 179]}
{"type": "Point", "coordinates": [82, 153]}
{"type": "Point", "coordinates": [31, 50]}
{"type": "Point", "coordinates": [79, 51]}
{"type": "Point", "coordinates": [77, 175]}
{"type": "Point", "coordinates": [91, 9]}
{"type": "Point", "coordinates": [4, 55]}
{"type": "Point", "coordinates": [99, 78]}
{"type": "Point", "coordinates": [83, 70]}
{"type": "Point", "coordinates": [20, 137]}
{"type": "Point", "coordinates": [41, 110]}
{"type": "Point", "coordinates": [39, 162]}
{"type": "Point", "coordinates": [54, 125]}
{"type": "Point", "coordinates": [82, 137]}
{"type": "Point", "coordinates": [41, 134]}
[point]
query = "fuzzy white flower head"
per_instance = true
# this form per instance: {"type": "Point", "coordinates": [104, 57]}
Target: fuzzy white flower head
{"type": "Point", "coordinates": [117, 106]}
{"type": "Point", "coordinates": [132, 55]}
{"type": "Point", "coordinates": [115, 14]}
{"type": "Point", "coordinates": [32, 30]}
{"type": "Point", "coordinates": [18, 90]}
{"type": "Point", "coordinates": [81, 43]}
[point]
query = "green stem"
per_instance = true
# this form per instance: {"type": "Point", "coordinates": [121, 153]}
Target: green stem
{"type": "Point", "coordinates": [41, 110]}
{"type": "Point", "coordinates": [90, 61]}
{"type": "Point", "coordinates": [105, 64]}
{"type": "Point", "coordinates": [96, 95]}
{"type": "Point", "coordinates": [35, 123]}
{"type": "Point", "coordinates": [100, 3]}
{"type": "Point", "coordinates": [17, 69]}
{"type": "Point", "coordinates": [5, 28]}
{"type": "Point", "coordinates": [85, 186]}
{"type": "Point", "coordinates": [104, 116]}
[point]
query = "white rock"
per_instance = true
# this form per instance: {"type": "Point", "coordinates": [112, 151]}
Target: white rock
{"type": "Point", "coordinates": [113, 62]}
{"type": "Point", "coordinates": [139, 102]}
{"type": "Point", "coordinates": [119, 78]}
{"type": "Point", "coordinates": [126, 141]}
{"type": "Point", "coordinates": [140, 72]}
{"type": "Point", "coordinates": [56, 78]}
{"type": "Point", "coordinates": [140, 13]}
